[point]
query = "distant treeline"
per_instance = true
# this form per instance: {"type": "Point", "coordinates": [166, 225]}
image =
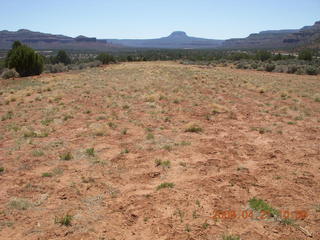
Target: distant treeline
{"type": "Point", "coordinates": [60, 61]}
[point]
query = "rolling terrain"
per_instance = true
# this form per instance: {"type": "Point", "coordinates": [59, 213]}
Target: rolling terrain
{"type": "Point", "coordinates": [152, 150]}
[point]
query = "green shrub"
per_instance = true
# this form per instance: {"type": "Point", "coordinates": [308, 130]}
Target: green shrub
{"type": "Point", "coordinates": [230, 237]}
{"type": "Point", "coordinates": [305, 54]}
{"type": "Point", "coordinates": [62, 57]}
{"type": "Point", "coordinates": [263, 55]}
{"type": "Point", "coordinates": [165, 185]}
{"type": "Point", "coordinates": [9, 73]}
{"type": "Point", "coordinates": [254, 65]}
{"type": "Point", "coordinates": [105, 58]}
{"type": "Point", "coordinates": [25, 60]}
{"type": "Point", "coordinates": [56, 68]}
{"type": "Point", "coordinates": [270, 67]}
{"type": "Point", "coordinates": [292, 69]}
{"type": "Point", "coordinates": [311, 70]}
{"type": "Point", "coordinates": [64, 220]}
{"type": "Point", "coordinates": [90, 152]}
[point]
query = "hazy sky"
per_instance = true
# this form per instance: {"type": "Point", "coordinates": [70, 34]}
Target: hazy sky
{"type": "Point", "coordinates": [217, 19]}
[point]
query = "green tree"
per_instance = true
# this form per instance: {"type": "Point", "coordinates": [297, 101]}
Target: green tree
{"type": "Point", "coordinates": [305, 54]}
{"type": "Point", "coordinates": [25, 60]}
{"type": "Point", "coordinates": [62, 57]}
{"type": "Point", "coordinates": [263, 55]}
{"type": "Point", "coordinates": [105, 58]}
{"type": "Point", "coordinates": [277, 57]}
{"type": "Point", "coordinates": [15, 45]}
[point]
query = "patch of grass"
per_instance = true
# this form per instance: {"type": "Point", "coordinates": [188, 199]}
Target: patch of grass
{"type": "Point", "coordinates": [195, 214]}
{"type": "Point", "coordinates": [184, 143]}
{"type": "Point", "coordinates": [150, 136]}
{"type": "Point", "coordinates": [205, 225]}
{"type": "Point", "coordinates": [47, 174]}
{"type": "Point", "coordinates": [1, 169]}
{"type": "Point", "coordinates": [46, 122]}
{"type": "Point", "coordinates": [180, 214]}
{"type": "Point", "coordinates": [193, 128]}
{"type": "Point", "coordinates": [29, 133]}
{"type": "Point", "coordinates": [66, 156]}
{"type": "Point", "coordinates": [217, 108]}
{"type": "Point", "coordinates": [291, 123]}
{"type": "Point", "coordinates": [112, 125]}
{"type": "Point", "coordinates": [230, 237]}
{"type": "Point", "coordinates": [124, 131]}
{"type": "Point", "coordinates": [183, 164]}
{"type": "Point", "coordinates": [125, 151]}
{"type": "Point", "coordinates": [64, 220]}
{"type": "Point", "coordinates": [287, 221]}
{"type": "Point", "coordinates": [242, 169]}
{"type": "Point", "coordinates": [260, 205]}
{"type": "Point", "coordinates": [167, 147]}
{"type": "Point", "coordinates": [125, 107]}
{"type": "Point", "coordinates": [20, 204]}
{"type": "Point", "coordinates": [37, 153]}
{"type": "Point", "coordinates": [87, 180]}
{"type": "Point", "coordinates": [261, 130]}
{"type": "Point", "coordinates": [165, 185]}
{"type": "Point", "coordinates": [7, 116]}
{"type": "Point", "coordinates": [187, 228]}
{"type": "Point", "coordinates": [90, 152]}
{"type": "Point", "coordinates": [67, 117]}
{"type": "Point", "coordinates": [164, 164]}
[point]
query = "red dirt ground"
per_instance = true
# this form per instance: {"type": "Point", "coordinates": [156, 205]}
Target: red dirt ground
{"type": "Point", "coordinates": [259, 136]}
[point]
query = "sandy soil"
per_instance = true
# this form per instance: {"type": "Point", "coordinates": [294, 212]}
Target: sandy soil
{"type": "Point", "coordinates": [217, 136]}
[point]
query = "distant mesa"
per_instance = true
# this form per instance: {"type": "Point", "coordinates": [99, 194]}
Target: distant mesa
{"type": "Point", "coordinates": [271, 39]}
{"type": "Point", "coordinates": [178, 34]}
{"type": "Point", "coordinates": [82, 38]}
{"type": "Point", "coordinates": [176, 40]}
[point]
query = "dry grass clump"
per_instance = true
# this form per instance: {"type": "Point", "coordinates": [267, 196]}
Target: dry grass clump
{"type": "Point", "coordinates": [152, 97]}
{"type": "Point", "coordinates": [192, 127]}
{"type": "Point", "coordinates": [98, 129]}
{"type": "Point", "coordinates": [217, 108]}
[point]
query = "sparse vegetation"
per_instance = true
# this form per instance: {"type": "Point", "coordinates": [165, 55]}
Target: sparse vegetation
{"type": "Point", "coordinates": [193, 128]}
{"type": "Point", "coordinates": [20, 204]}
{"type": "Point", "coordinates": [164, 164]}
{"type": "Point", "coordinates": [9, 73]}
{"type": "Point", "coordinates": [261, 205]}
{"type": "Point", "coordinates": [165, 185]}
{"type": "Point", "coordinates": [66, 156]}
{"type": "Point", "coordinates": [106, 58]}
{"type": "Point", "coordinates": [47, 174]}
{"type": "Point", "coordinates": [90, 152]}
{"type": "Point", "coordinates": [230, 237]}
{"type": "Point", "coordinates": [146, 167]}
{"type": "Point", "coordinates": [64, 220]}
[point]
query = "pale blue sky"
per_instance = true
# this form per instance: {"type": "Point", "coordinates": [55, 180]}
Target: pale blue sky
{"type": "Point", "coordinates": [217, 19]}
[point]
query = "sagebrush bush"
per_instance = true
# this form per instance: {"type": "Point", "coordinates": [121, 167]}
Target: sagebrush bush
{"type": "Point", "coordinates": [56, 68]}
{"type": "Point", "coordinates": [270, 67]}
{"type": "Point", "coordinates": [9, 73]}
{"type": "Point", "coordinates": [93, 64]}
{"type": "Point", "coordinates": [292, 69]}
{"type": "Point", "coordinates": [25, 60]}
{"type": "Point", "coordinates": [311, 70]}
